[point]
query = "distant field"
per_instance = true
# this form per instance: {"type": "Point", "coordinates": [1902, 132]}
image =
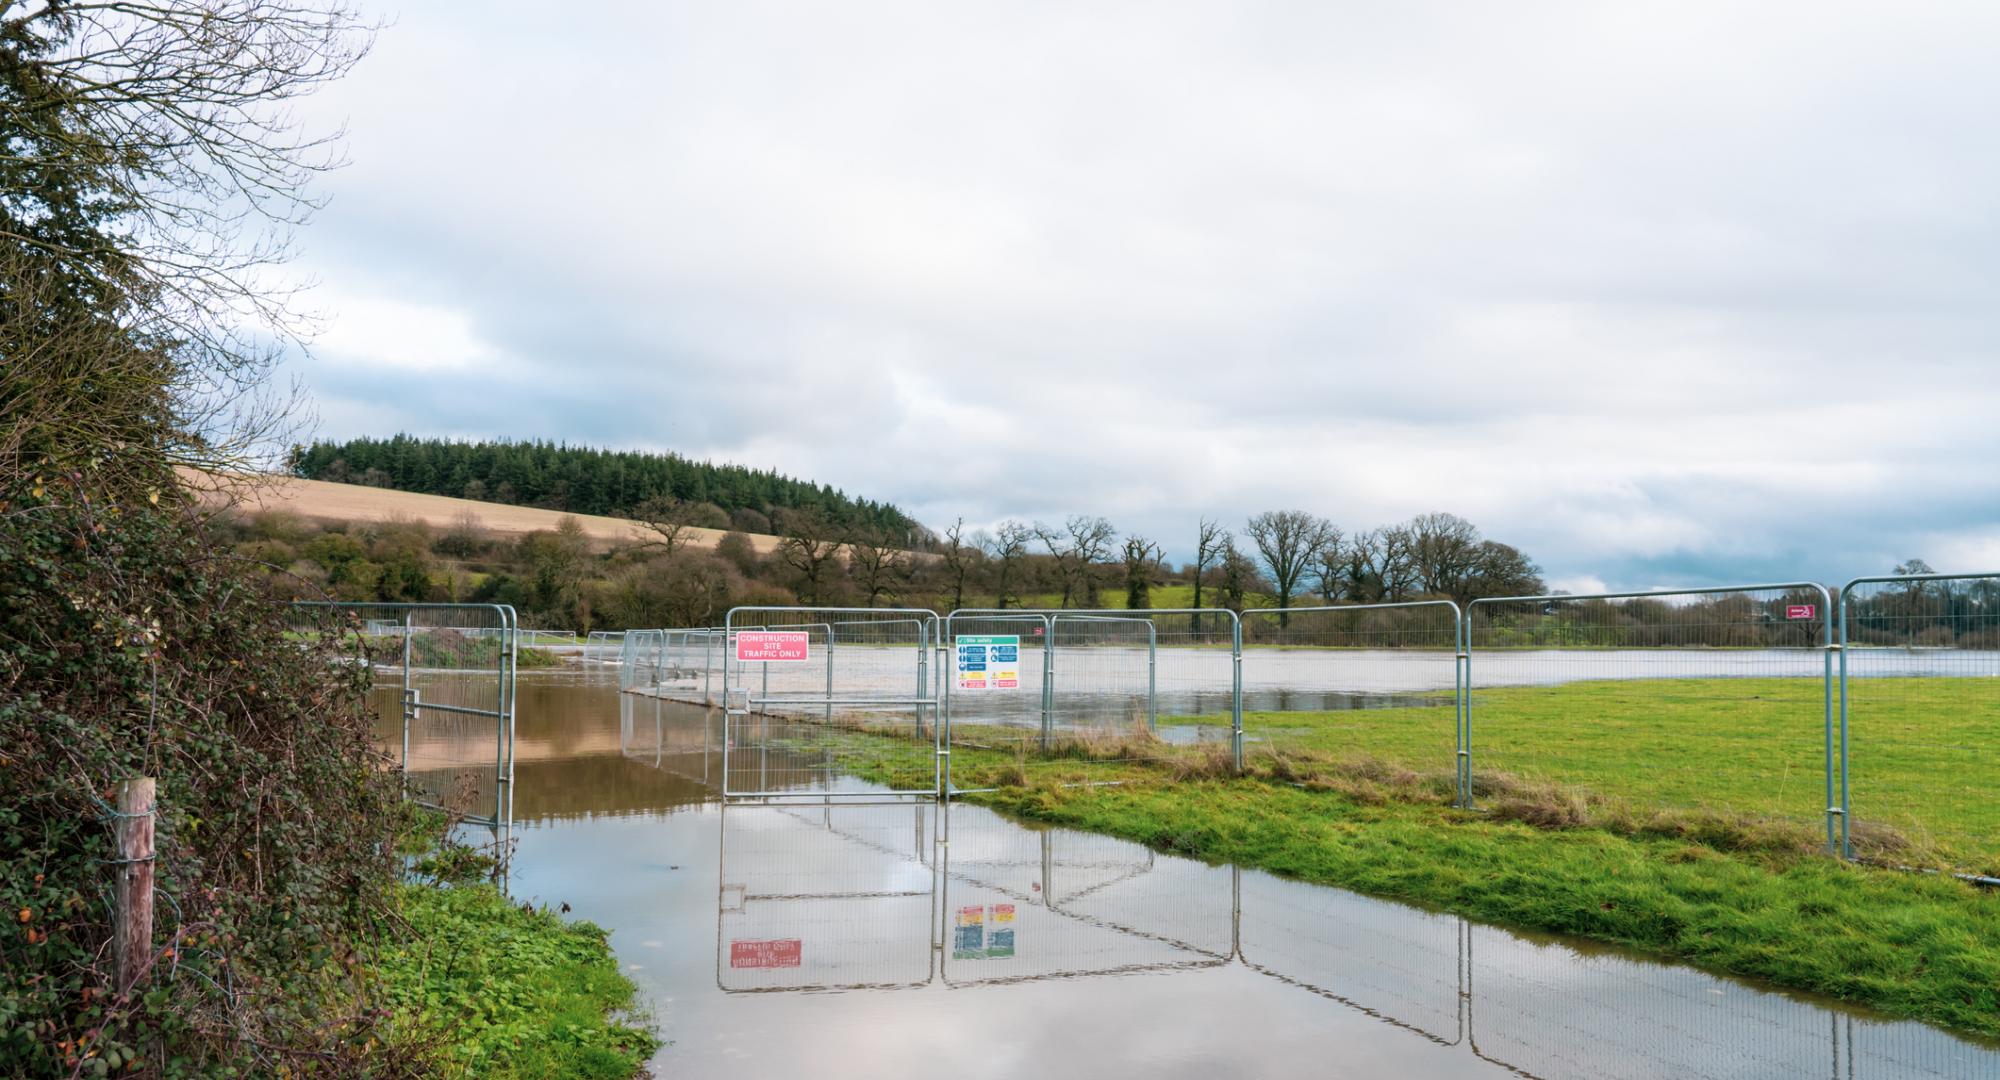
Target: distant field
{"type": "Point", "coordinates": [323, 501]}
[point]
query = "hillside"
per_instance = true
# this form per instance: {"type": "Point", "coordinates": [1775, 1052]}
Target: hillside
{"type": "Point", "coordinates": [323, 501]}
{"type": "Point", "coordinates": [585, 480]}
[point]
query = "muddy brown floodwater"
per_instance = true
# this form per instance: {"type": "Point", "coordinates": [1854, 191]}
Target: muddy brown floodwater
{"type": "Point", "coordinates": [905, 939]}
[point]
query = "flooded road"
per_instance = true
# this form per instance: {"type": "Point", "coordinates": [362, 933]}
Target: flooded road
{"type": "Point", "coordinates": [904, 939]}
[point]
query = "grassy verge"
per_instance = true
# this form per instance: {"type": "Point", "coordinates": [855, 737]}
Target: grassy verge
{"type": "Point", "coordinates": [1733, 892]}
{"type": "Point", "coordinates": [491, 988]}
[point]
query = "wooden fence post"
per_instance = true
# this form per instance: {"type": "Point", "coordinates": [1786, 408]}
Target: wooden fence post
{"type": "Point", "coordinates": [133, 936]}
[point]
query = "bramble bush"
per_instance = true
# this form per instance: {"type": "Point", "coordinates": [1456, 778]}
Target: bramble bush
{"type": "Point", "coordinates": [130, 647]}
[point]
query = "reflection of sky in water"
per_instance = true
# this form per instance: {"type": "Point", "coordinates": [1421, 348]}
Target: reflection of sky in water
{"type": "Point", "coordinates": [1114, 960]}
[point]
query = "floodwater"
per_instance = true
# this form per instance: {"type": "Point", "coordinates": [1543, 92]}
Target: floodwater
{"type": "Point", "coordinates": [1182, 680]}
{"type": "Point", "coordinates": [903, 939]}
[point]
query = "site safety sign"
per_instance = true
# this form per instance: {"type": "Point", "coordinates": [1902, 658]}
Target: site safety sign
{"type": "Point", "coordinates": [988, 661]}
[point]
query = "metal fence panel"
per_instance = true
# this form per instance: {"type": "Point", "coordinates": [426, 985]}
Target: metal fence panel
{"type": "Point", "coordinates": [1920, 717]}
{"type": "Point", "coordinates": [446, 674]}
{"type": "Point", "coordinates": [1074, 695]}
{"type": "Point", "coordinates": [850, 711]}
{"type": "Point", "coordinates": [1716, 700]}
{"type": "Point", "coordinates": [1374, 681]}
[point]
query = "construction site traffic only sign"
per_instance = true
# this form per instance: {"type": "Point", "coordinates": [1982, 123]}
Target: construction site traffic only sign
{"type": "Point", "coordinates": [988, 661]}
{"type": "Point", "coordinates": [773, 646]}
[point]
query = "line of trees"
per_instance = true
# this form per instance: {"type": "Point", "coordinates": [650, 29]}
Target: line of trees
{"type": "Point", "coordinates": [557, 579]}
{"type": "Point", "coordinates": [584, 480]}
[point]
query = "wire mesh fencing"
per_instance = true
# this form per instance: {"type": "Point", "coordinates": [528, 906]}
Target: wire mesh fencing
{"type": "Point", "coordinates": [829, 700]}
{"type": "Point", "coordinates": [602, 648]}
{"type": "Point", "coordinates": [1920, 718]}
{"type": "Point", "coordinates": [1357, 684]}
{"type": "Point", "coordinates": [1717, 701]}
{"type": "Point", "coordinates": [446, 686]}
{"type": "Point", "coordinates": [1080, 696]}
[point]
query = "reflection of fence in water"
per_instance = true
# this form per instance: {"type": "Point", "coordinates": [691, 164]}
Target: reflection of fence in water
{"type": "Point", "coordinates": [1023, 905]}
{"type": "Point", "coordinates": [681, 739]}
{"type": "Point", "coordinates": [1548, 1011]}
{"type": "Point", "coordinates": [808, 905]}
{"type": "Point", "coordinates": [1393, 962]}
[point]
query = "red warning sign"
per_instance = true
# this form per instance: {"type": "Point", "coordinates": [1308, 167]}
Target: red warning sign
{"type": "Point", "coordinates": [783, 953]}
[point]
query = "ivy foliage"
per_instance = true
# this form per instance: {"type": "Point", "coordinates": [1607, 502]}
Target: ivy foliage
{"type": "Point", "coordinates": [128, 647]}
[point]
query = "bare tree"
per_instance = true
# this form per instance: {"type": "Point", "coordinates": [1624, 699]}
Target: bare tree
{"type": "Point", "coordinates": [1142, 558]}
{"type": "Point", "coordinates": [1077, 548]}
{"type": "Point", "coordinates": [1443, 552]}
{"type": "Point", "coordinates": [1007, 548]}
{"type": "Point", "coordinates": [876, 563]}
{"type": "Point", "coordinates": [808, 546]}
{"type": "Point", "coordinates": [1329, 567]}
{"type": "Point", "coordinates": [957, 557]}
{"type": "Point", "coordinates": [1290, 542]}
{"type": "Point", "coordinates": [670, 520]}
{"type": "Point", "coordinates": [1500, 570]}
{"type": "Point", "coordinates": [1210, 540]}
{"type": "Point", "coordinates": [156, 166]}
{"type": "Point", "coordinates": [1237, 576]}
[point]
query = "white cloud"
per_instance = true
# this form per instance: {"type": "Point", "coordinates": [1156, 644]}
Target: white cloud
{"type": "Point", "coordinates": [1656, 291]}
{"type": "Point", "coordinates": [400, 334]}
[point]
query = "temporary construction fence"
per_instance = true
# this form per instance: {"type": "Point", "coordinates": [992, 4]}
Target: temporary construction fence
{"type": "Point", "coordinates": [603, 647]}
{"type": "Point", "coordinates": [1920, 713]}
{"type": "Point", "coordinates": [452, 703]}
{"type": "Point", "coordinates": [1737, 701]}
{"type": "Point", "coordinates": [1717, 699]}
{"type": "Point", "coordinates": [1378, 681]}
{"type": "Point", "coordinates": [823, 701]}
{"type": "Point", "coordinates": [681, 664]}
{"type": "Point", "coordinates": [1090, 687]}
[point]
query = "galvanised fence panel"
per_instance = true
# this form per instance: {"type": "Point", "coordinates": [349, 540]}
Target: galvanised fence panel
{"type": "Point", "coordinates": [1716, 700]}
{"type": "Point", "coordinates": [825, 897]}
{"type": "Point", "coordinates": [1357, 683]}
{"type": "Point", "coordinates": [1080, 696]}
{"type": "Point", "coordinates": [445, 688]}
{"type": "Point", "coordinates": [1920, 709]}
{"type": "Point", "coordinates": [602, 648]}
{"type": "Point", "coordinates": [1400, 964]}
{"type": "Point", "coordinates": [829, 701]}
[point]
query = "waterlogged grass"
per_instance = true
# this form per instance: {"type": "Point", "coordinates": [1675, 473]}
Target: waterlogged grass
{"type": "Point", "coordinates": [1924, 947]}
{"type": "Point", "coordinates": [1922, 751]}
{"type": "Point", "coordinates": [1677, 817]}
{"type": "Point", "coordinates": [506, 991]}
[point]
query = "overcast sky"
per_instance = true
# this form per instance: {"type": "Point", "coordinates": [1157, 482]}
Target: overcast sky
{"type": "Point", "coordinates": [1663, 293]}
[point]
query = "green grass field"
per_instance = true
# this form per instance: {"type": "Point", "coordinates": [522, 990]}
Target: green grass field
{"type": "Point", "coordinates": [1679, 817]}
{"type": "Point", "coordinates": [1730, 893]}
{"type": "Point", "coordinates": [1920, 750]}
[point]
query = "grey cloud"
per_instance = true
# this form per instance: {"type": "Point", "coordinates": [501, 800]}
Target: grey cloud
{"type": "Point", "coordinates": [1661, 292]}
